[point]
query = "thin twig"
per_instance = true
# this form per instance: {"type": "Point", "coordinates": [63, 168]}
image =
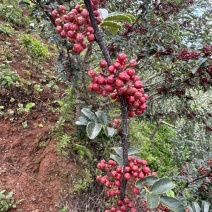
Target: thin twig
{"type": "Point", "coordinates": [192, 181]}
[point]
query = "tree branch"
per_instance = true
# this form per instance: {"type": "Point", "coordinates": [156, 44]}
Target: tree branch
{"type": "Point", "coordinates": [123, 102]}
{"type": "Point", "coordinates": [194, 180]}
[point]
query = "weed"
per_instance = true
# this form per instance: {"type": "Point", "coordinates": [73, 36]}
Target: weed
{"type": "Point", "coordinates": [6, 201]}
{"type": "Point", "coordinates": [9, 79]}
{"type": "Point", "coordinates": [13, 14]}
{"type": "Point", "coordinates": [5, 29]}
{"type": "Point", "coordinates": [35, 47]}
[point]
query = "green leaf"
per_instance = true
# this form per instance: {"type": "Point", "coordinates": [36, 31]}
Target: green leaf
{"type": "Point", "coordinates": [89, 114]}
{"type": "Point", "coordinates": [81, 121]}
{"type": "Point", "coordinates": [93, 129]}
{"type": "Point", "coordinates": [150, 180]}
{"type": "Point", "coordinates": [9, 195]}
{"type": "Point", "coordinates": [30, 105]}
{"type": "Point", "coordinates": [113, 27]}
{"type": "Point", "coordinates": [109, 131]}
{"type": "Point", "coordinates": [117, 159]}
{"type": "Point", "coordinates": [152, 200]}
{"type": "Point", "coordinates": [170, 193]}
{"type": "Point", "coordinates": [133, 18]}
{"type": "Point", "coordinates": [196, 207]}
{"type": "Point", "coordinates": [102, 117]}
{"type": "Point", "coordinates": [205, 206]}
{"type": "Point", "coordinates": [2, 196]}
{"type": "Point", "coordinates": [120, 17]}
{"type": "Point", "coordinates": [162, 186]}
{"type": "Point", "coordinates": [132, 151]}
{"type": "Point", "coordinates": [200, 61]}
{"type": "Point", "coordinates": [118, 151]}
{"type": "Point", "coordinates": [139, 184]}
{"type": "Point", "coordinates": [172, 203]}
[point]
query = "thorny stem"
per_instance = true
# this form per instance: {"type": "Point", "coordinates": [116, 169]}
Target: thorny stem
{"type": "Point", "coordinates": [124, 105]}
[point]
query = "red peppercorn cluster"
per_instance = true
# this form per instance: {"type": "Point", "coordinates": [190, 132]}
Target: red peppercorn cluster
{"type": "Point", "coordinates": [185, 54]}
{"type": "Point", "coordinates": [76, 25]}
{"type": "Point", "coordinates": [207, 49]}
{"type": "Point", "coordinates": [202, 170]}
{"type": "Point", "coordinates": [121, 80]}
{"type": "Point", "coordinates": [135, 170]}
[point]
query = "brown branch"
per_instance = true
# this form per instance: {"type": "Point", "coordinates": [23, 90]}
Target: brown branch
{"type": "Point", "coordinates": [192, 181]}
{"type": "Point", "coordinates": [125, 143]}
{"type": "Point", "coordinates": [155, 130]}
{"type": "Point", "coordinates": [97, 33]}
{"type": "Point", "coordinates": [123, 102]}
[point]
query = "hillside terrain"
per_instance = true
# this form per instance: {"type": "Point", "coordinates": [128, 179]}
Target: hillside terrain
{"type": "Point", "coordinates": [30, 166]}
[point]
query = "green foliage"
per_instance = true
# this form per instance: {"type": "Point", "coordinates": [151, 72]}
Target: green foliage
{"type": "Point", "coordinates": [195, 207]}
{"type": "Point", "coordinates": [94, 122]}
{"type": "Point", "coordinates": [6, 201]}
{"type": "Point", "coordinates": [156, 151]}
{"type": "Point", "coordinates": [35, 47]}
{"type": "Point", "coordinates": [82, 151]}
{"type": "Point", "coordinates": [9, 78]}
{"type": "Point", "coordinates": [83, 181]}
{"type": "Point", "coordinates": [5, 29]}
{"type": "Point", "coordinates": [13, 15]}
{"type": "Point", "coordinates": [156, 193]}
{"type": "Point", "coordinates": [63, 142]}
{"type": "Point", "coordinates": [112, 21]}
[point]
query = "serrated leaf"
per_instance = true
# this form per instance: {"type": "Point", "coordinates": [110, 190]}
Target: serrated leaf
{"type": "Point", "coordinates": [150, 180]}
{"type": "Point", "coordinates": [113, 27]}
{"type": "Point", "coordinates": [196, 207]}
{"type": "Point", "coordinates": [162, 186]}
{"type": "Point", "coordinates": [109, 131]}
{"type": "Point", "coordinates": [118, 151]}
{"type": "Point", "coordinates": [117, 159]}
{"type": "Point", "coordinates": [89, 114]}
{"type": "Point", "coordinates": [152, 200]}
{"type": "Point", "coordinates": [172, 203]}
{"type": "Point", "coordinates": [133, 18]}
{"type": "Point", "coordinates": [81, 121]}
{"type": "Point", "coordinates": [132, 151]}
{"type": "Point", "coordinates": [102, 117]}
{"type": "Point", "coordinates": [93, 129]}
{"type": "Point", "coordinates": [205, 206]}
{"type": "Point", "coordinates": [120, 17]}
{"type": "Point", "coordinates": [111, 24]}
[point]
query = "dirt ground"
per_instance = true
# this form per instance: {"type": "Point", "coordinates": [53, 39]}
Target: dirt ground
{"type": "Point", "coordinates": [29, 163]}
{"type": "Point", "coordinates": [36, 175]}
